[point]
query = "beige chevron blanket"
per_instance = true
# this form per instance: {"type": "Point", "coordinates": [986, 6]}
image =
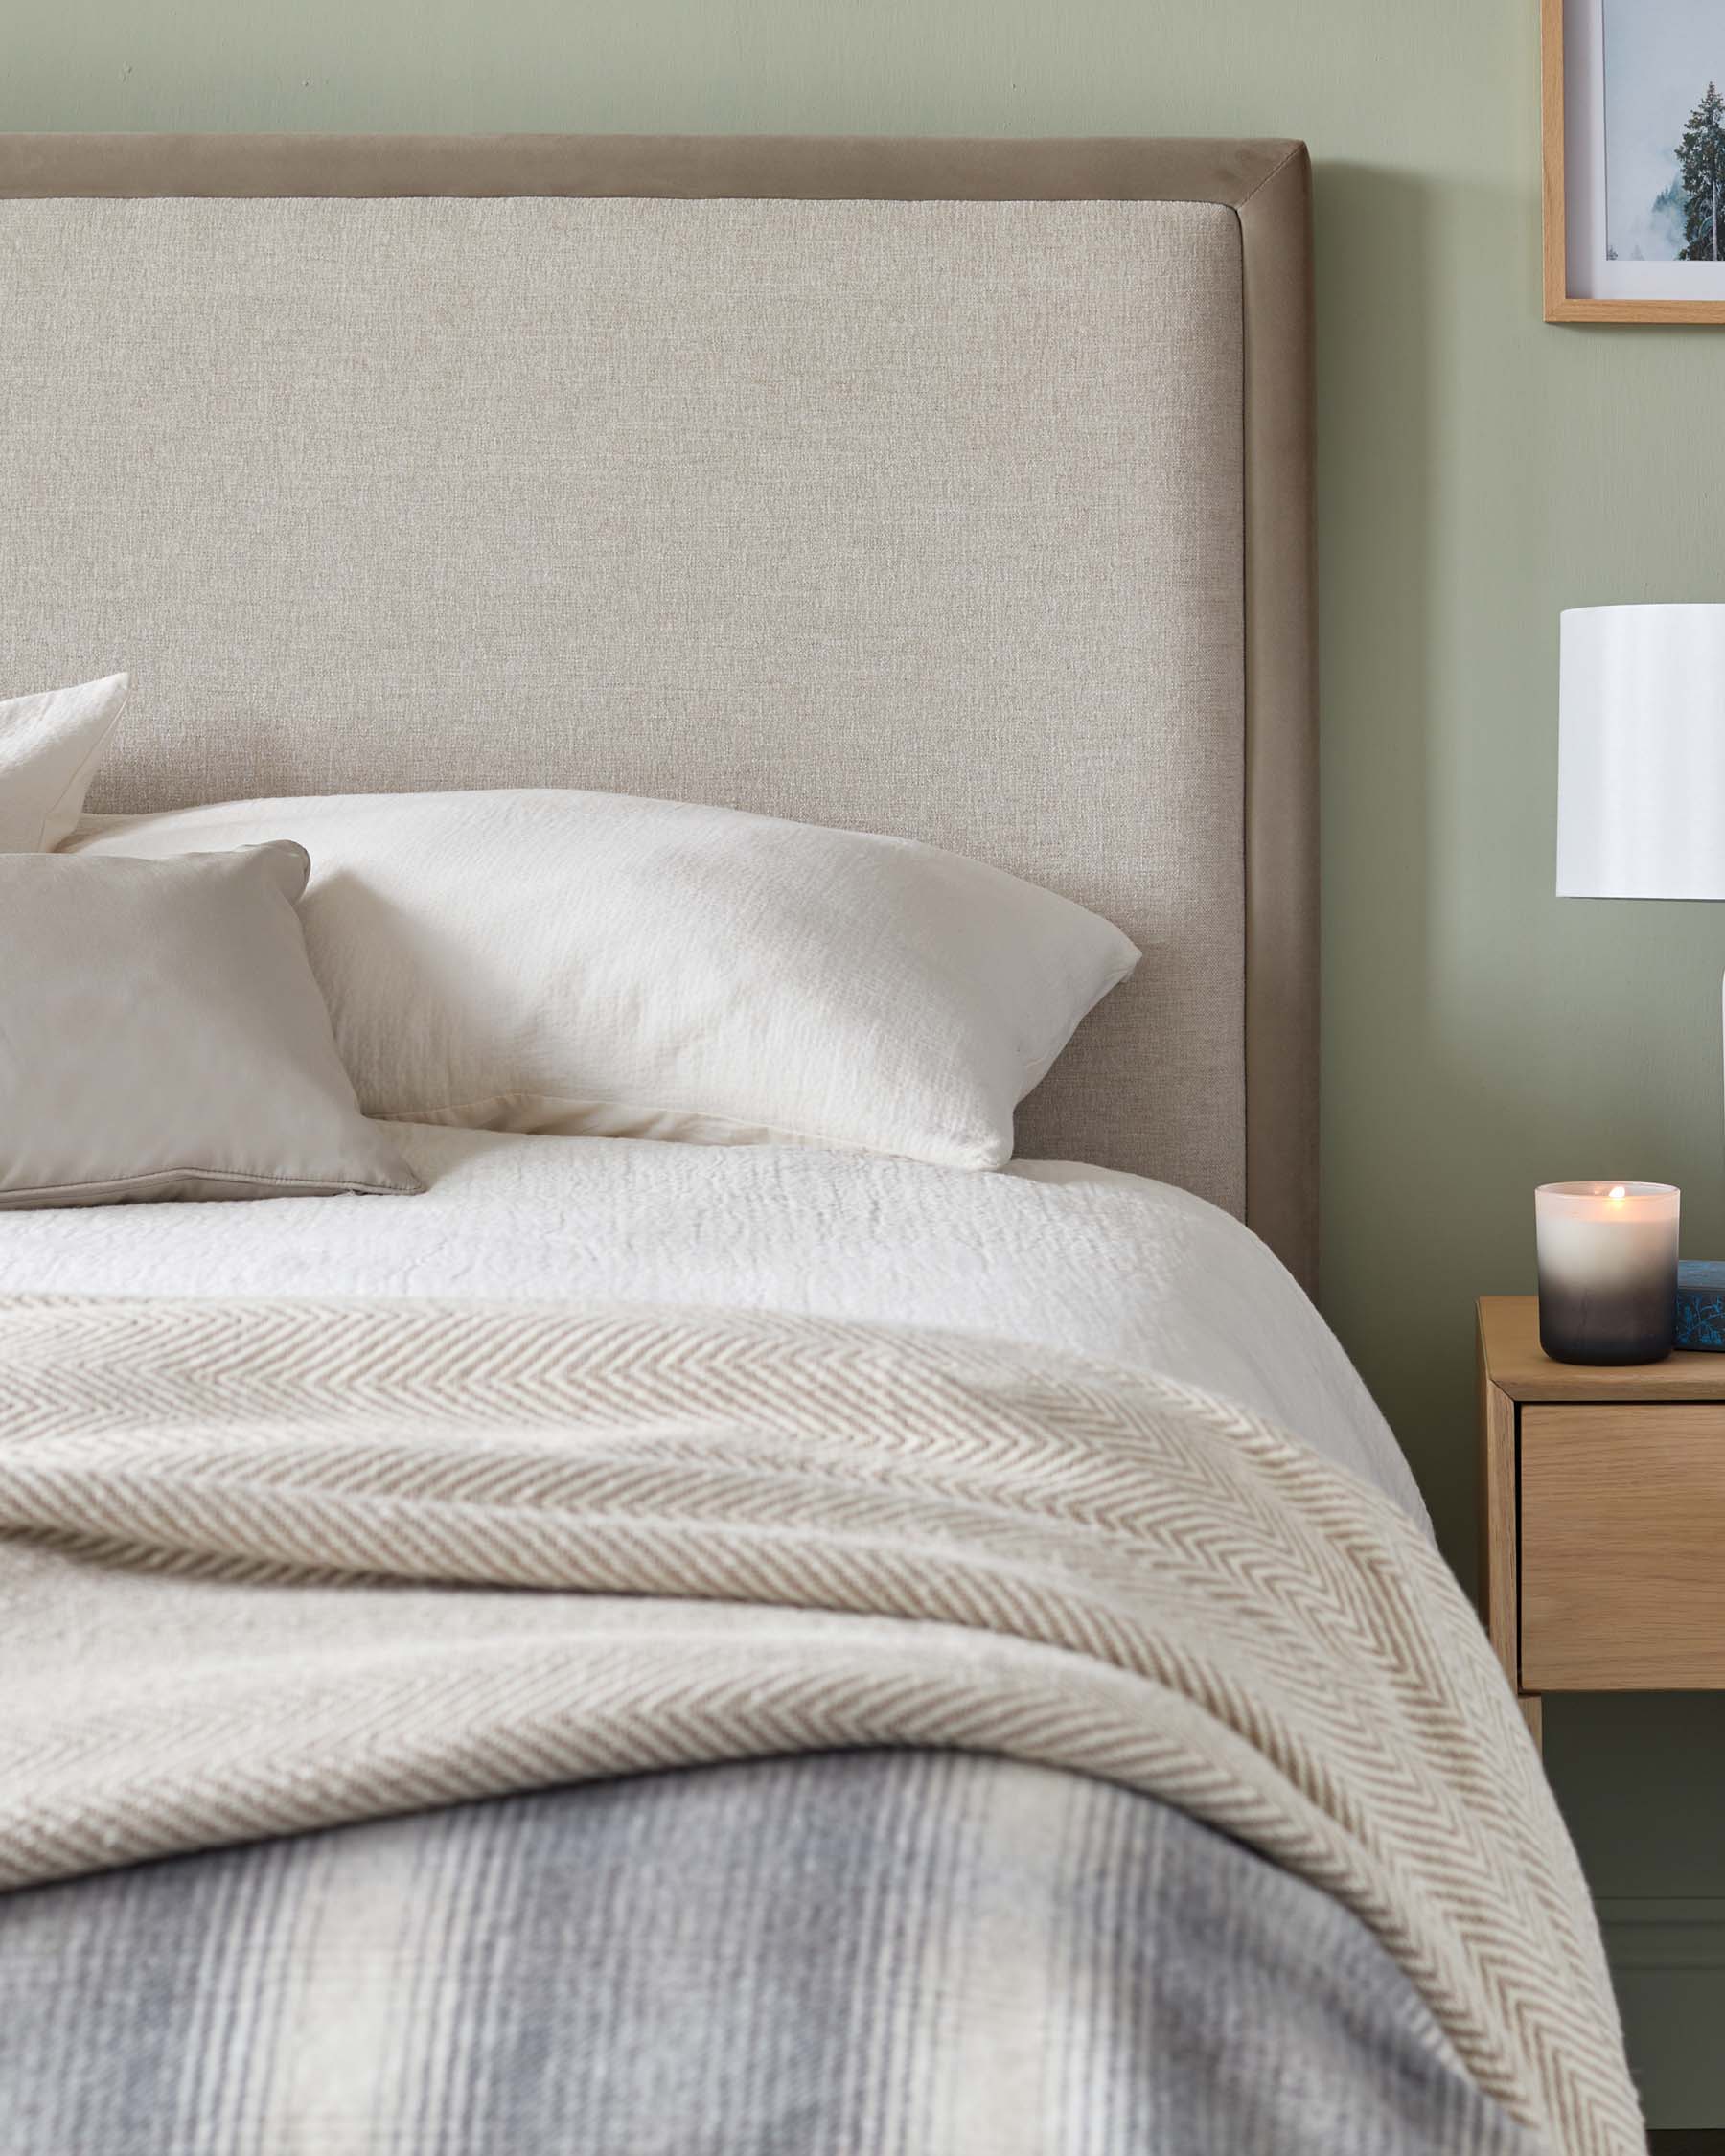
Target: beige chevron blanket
{"type": "Point", "coordinates": [269, 1565]}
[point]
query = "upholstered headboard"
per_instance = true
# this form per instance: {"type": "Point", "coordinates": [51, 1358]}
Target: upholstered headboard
{"type": "Point", "coordinates": [955, 489]}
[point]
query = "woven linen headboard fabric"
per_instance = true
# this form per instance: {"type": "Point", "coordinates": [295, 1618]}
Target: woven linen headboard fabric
{"type": "Point", "coordinates": [960, 489]}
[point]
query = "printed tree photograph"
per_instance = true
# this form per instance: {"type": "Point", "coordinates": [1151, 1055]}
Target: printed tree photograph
{"type": "Point", "coordinates": [1664, 131]}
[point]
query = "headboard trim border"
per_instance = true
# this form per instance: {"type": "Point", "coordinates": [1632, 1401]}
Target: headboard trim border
{"type": "Point", "coordinates": [1268, 185]}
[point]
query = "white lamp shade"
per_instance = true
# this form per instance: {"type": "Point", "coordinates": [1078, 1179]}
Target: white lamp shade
{"type": "Point", "coordinates": [1640, 756]}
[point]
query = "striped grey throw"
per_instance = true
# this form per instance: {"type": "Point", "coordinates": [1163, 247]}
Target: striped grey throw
{"type": "Point", "coordinates": [896, 1953]}
{"type": "Point", "coordinates": [263, 1569]}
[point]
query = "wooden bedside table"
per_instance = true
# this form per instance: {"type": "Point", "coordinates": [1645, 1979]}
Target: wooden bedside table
{"type": "Point", "coordinates": [1602, 1516]}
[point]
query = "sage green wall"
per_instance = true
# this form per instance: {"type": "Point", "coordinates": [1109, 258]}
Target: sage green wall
{"type": "Point", "coordinates": [1478, 471]}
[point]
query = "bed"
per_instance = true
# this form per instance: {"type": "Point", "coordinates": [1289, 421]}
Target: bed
{"type": "Point", "coordinates": [676, 1646]}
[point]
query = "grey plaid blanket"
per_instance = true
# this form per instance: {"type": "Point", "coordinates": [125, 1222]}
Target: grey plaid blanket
{"type": "Point", "coordinates": [923, 1953]}
{"type": "Point", "coordinates": [223, 1518]}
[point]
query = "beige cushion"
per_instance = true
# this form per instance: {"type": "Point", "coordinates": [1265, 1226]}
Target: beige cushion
{"type": "Point", "coordinates": [601, 964]}
{"type": "Point", "coordinates": [161, 1036]}
{"type": "Point", "coordinates": [50, 744]}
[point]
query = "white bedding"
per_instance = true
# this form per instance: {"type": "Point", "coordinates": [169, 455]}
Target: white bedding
{"type": "Point", "coordinates": [1044, 1251]}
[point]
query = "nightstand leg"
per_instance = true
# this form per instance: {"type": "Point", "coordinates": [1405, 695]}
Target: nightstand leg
{"type": "Point", "coordinates": [1533, 1707]}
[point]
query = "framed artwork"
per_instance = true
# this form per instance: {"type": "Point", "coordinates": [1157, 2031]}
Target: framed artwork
{"type": "Point", "coordinates": [1633, 105]}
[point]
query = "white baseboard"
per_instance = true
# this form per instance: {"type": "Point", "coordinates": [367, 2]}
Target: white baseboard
{"type": "Point", "coordinates": [1668, 1963]}
{"type": "Point", "coordinates": [1647, 1934]}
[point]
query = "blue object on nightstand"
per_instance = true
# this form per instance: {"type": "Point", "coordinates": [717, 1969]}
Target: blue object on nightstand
{"type": "Point", "coordinates": [1701, 1306]}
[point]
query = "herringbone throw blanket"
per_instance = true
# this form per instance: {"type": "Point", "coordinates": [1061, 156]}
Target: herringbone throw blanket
{"type": "Point", "coordinates": [262, 1569]}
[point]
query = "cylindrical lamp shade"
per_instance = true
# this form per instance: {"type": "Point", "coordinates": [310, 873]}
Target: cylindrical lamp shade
{"type": "Point", "coordinates": [1640, 760]}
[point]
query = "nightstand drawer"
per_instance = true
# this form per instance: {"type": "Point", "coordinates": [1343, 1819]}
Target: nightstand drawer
{"type": "Point", "coordinates": [1623, 1548]}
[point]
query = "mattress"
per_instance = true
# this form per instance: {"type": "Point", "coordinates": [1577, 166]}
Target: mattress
{"type": "Point", "coordinates": [1049, 1253]}
{"type": "Point", "coordinates": [603, 1461]}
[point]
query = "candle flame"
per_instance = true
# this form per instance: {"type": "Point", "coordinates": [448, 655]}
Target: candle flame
{"type": "Point", "coordinates": [1617, 1191]}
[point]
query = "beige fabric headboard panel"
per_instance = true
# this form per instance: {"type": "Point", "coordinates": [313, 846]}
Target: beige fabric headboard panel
{"type": "Point", "coordinates": [958, 490]}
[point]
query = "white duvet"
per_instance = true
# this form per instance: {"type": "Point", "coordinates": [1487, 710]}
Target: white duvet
{"type": "Point", "coordinates": [1045, 1252]}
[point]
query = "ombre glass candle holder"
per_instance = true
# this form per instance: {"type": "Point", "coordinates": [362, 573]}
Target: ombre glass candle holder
{"type": "Point", "coordinates": [1607, 1270]}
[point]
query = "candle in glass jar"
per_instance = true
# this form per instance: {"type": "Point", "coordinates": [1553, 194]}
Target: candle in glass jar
{"type": "Point", "coordinates": [1607, 1270]}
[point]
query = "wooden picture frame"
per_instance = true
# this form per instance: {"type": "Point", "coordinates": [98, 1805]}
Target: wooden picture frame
{"type": "Point", "coordinates": [1556, 178]}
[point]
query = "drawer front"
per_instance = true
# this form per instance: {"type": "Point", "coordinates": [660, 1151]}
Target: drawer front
{"type": "Point", "coordinates": [1623, 1548]}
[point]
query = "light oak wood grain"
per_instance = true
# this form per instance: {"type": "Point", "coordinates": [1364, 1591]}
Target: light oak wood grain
{"type": "Point", "coordinates": [1622, 1547]}
{"type": "Point", "coordinates": [1510, 1335]}
{"type": "Point", "coordinates": [1500, 1529]}
{"type": "Point", "coordinates": [1498, 1592]}
{"type": "Point", "coordinates": [1551, 162]}
{"type": "Point", "coordinates": [1558, 305]}
{"type": "Point", "coordinates": [1694, 313]}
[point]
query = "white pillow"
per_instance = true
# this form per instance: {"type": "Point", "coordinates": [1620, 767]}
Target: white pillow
{"type": "Point", "coordinates": [592, 962]}
{"type": "Point", "coordinates": [50, 745]}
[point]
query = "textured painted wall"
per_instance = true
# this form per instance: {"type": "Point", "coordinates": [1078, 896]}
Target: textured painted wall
{"type": "Point", "coordinates": [1477, 471]}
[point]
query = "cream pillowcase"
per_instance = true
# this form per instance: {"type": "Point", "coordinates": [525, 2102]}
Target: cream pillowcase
{"type": "Point", "coordinates": [50, 745]}
{"type": "Point", "coordinates": [599, 963]}
{"type": "Point", "coordinates": [161, 1036]}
